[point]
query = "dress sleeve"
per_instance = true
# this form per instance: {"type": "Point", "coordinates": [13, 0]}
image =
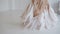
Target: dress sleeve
{"type": "Point", "coordinates": [25, 13]}
{"type": "Point", "coordinates": [52, 14]}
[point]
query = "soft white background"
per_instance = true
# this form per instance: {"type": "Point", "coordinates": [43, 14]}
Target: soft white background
{"type": "Point", "coordinates": [10, 11]}
{"type": "Point", "coordinates": [19, 4]}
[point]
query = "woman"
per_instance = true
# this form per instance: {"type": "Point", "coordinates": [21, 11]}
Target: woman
{"type": "Point", "coordinates": [39, 14]}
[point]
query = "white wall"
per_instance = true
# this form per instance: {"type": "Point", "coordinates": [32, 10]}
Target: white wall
{"type": "Point", "coordinates": [19, 4]}
{"type": "Point", "coordinates": [54, 4]}
{"type": "Point", "coordinates": [12, 4]}
{"type": "Point", "coordinates": [4, 5]}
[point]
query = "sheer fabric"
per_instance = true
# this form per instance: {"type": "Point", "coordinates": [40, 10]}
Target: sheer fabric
{"type": "Point", "coordinates": [45, 20]}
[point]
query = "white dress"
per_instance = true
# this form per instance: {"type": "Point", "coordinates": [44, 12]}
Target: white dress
{"type": "Point", "coordinates": [45, 20]}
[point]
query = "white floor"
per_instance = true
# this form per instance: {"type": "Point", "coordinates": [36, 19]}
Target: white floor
{"type": "Point", "coordinates": [10, 24]}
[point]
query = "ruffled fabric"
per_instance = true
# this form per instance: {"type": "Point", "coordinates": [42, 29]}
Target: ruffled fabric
{"type": "Point", "coordinates": [44, 20]}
